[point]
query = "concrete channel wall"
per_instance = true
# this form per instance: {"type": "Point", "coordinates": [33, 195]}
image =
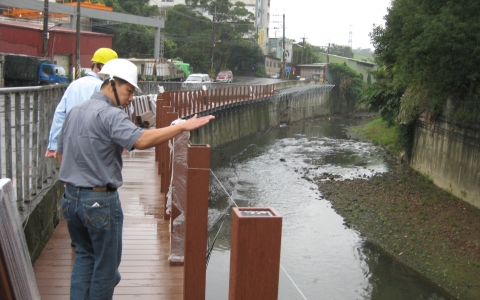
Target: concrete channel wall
{"type": "Point", "coordinates": [449, 154]}
{"type": "Point", "coordinates": [241, 121]}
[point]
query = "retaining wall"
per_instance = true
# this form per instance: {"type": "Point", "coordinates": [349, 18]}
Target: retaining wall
{"type": "Point", "coordinates": [43, 219]}
{"type": "Point", "coordinates": [244, 120]}
{"type": "Point", "coordinates": [450, 155]}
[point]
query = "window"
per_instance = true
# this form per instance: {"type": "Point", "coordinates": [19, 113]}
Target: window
{"type": "Point", "coordinates": [47, 70]}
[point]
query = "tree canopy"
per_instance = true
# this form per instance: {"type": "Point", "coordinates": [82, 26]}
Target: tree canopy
{"type": "Point", "coordinates": [340, 50]}
{"type": "Point", "coordinates": [305, 54]}
{"type": "Point", "coordinates": [188, 34]}
{"type": "Point", "coordinates": [429, 50]}
{"type": "Point", "coordinates": [348, 87]}
{"type": "Point", "coordinates": [194, 38]}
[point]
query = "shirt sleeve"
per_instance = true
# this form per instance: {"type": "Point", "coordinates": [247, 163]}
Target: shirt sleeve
{"type": "Point", "coordinates": [58, 118]}
{"type": "Point", "coordinates": [78, 91]}
{"type": "Point", "coordinates": [122, 130]}
{"type": "Point", "coordinates": [60, 142]}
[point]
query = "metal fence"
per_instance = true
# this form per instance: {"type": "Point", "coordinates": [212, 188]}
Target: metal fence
{"type": "Point", "coordinates": [26, 115]}
{"type": "Point", "coordinates": [152, 87]}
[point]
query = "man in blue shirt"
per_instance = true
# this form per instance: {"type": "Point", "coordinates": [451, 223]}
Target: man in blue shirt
{"type": "Point", "coordinates": [77, 92]}
{"type": "Point", "coordinates": [90, 151]}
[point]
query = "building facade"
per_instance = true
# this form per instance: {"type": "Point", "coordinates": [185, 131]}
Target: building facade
{"type": "Point", "coordinates": [273, 65]}
{"type": "Point", "coordinates": [27, 38]}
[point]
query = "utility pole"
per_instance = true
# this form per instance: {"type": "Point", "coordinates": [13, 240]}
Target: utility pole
{"type": "Point", "coordinates": [303, 50]}
{"type": "Point", "coordinates": [77, 67]}
{"type": "Point", "coordinates": [213, 39]}
{"type": "Point", "coordinates": [327, 65]}
{"type": "Point", "coordinates": [45, 29]}
{"type": "Point", "coordinates": [284, 67]}
{"type": "Point", "coordinates": [328, 51]}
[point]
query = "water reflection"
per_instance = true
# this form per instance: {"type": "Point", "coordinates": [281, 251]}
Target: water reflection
{"type": "Point", "coordinates": [320, 257]}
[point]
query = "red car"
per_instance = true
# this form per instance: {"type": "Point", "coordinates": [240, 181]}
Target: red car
{"type": "Point", "coordinates": [225, 76]}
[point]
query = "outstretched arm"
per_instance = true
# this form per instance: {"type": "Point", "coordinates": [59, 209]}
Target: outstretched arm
{"type": "Point", "coordinates": [154, 137]}
{"type": "Point", "coordinates": [57, 123]}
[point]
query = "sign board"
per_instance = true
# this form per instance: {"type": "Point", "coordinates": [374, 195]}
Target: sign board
{"type": "Point", "coordinates": [288, 52]}
{"type": "Point", "coordinates": [261, 36]}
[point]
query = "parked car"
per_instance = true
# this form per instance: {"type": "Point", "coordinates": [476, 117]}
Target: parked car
{"type": "Point", "coordinates": [225, 76]}
{"type": "Point", "coordinates": [196, 81]}
{"type": "Point", "coordinates": [276, 75]}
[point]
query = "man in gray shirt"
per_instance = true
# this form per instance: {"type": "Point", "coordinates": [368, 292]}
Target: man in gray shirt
{"type": "Point", "coordinates": [90, 147]}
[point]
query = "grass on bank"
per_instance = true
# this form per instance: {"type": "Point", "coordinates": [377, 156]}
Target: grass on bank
{"type": "Point", "coordinates": [378, 132]}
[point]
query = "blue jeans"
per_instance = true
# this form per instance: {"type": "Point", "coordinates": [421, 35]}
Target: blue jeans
{"type": "Point", "coordinates": [95, 222]}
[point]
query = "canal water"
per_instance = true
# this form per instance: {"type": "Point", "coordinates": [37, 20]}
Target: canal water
{"type": "Point", "coordinates": [320, 257]}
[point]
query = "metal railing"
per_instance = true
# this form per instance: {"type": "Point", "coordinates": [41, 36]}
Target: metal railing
{"type": "Point", "coordinates": [26, 115]}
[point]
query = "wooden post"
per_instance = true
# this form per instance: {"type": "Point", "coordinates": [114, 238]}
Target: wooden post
{"type": "Point", "coordinates": [158, 114]}
{"type": "Point", "coordinates": [196, 222]}
{"type": "Point", "coordinates": [161, 102]}
{"type": "Point", "coordinates": [255, 253]}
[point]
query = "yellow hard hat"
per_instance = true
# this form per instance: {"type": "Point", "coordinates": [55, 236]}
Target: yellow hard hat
{"type": "Point", "coordinates": [103, 55]}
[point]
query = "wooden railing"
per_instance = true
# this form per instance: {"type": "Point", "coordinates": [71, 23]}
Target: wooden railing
{"type": "Point", "coordinates": [188, 103]}
{"type": "Point", "coordinates": [187, 195]}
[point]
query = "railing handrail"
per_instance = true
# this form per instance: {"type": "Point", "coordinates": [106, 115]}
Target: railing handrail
{"type": "Point", "coordinates": [24, 138]}
{"type": "Point", "coordinates": [10, 90]}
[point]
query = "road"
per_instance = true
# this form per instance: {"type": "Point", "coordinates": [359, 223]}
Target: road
{"type": "Point", "coordinates": [247, 80]}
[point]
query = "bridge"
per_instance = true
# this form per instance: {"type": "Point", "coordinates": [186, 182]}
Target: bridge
{"type": "Point", "coordinates": [150, 269]}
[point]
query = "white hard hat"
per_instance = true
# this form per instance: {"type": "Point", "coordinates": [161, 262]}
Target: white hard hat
{"type": "Point", "coordinates": [123, 69]}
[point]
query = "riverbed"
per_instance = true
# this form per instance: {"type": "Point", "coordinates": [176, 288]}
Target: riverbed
{"type": "Point", "coordinates": [322, 255]}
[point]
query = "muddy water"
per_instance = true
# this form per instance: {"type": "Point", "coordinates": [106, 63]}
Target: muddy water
{"type": "Point", "coordinates": [320, 257]}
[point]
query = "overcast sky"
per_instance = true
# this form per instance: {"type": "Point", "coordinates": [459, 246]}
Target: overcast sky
{"type": "Point", "coordinates": [323, 22]}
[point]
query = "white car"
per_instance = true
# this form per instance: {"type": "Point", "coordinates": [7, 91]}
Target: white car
{"type": "Point", "coordinates": [196, 81]}
{"type": "Point", "coordinates": [276, 75]}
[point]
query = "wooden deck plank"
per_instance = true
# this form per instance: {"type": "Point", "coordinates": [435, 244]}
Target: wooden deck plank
{"type": "Point", "coordinates": [145, 270]}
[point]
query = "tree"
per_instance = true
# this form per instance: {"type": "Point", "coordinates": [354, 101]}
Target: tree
{"type": "Point", "coordinates": [131, 40]}
{"type": "Point", "coordinates": [230, 23]}
{"type": "Point", "coordinates": [340, 50]}
{"type": "Point", "coordinates": [305, 54]}
{"type": "Point", "coordinates": [364, 51]}
{"type": "Point", "coordinates": [431, 49]}
{"type": "Point", "coordinates": [383, 96]}
{"type": "Point", "coordinates": [190, 33]}
{"type": "Point", "coordinates": [347, 90]}
{"type": "Point", "coordinates": [187, 34]}
{"type": "Point", "coordinates": [247, 53]}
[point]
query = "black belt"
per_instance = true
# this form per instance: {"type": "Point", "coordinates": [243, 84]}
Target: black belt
{"type": "Point", "coordinates": [97, 189]}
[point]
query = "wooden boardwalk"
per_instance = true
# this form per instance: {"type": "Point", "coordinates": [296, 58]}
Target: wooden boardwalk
{"type": "Point", "coordinates": [145, 270]}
